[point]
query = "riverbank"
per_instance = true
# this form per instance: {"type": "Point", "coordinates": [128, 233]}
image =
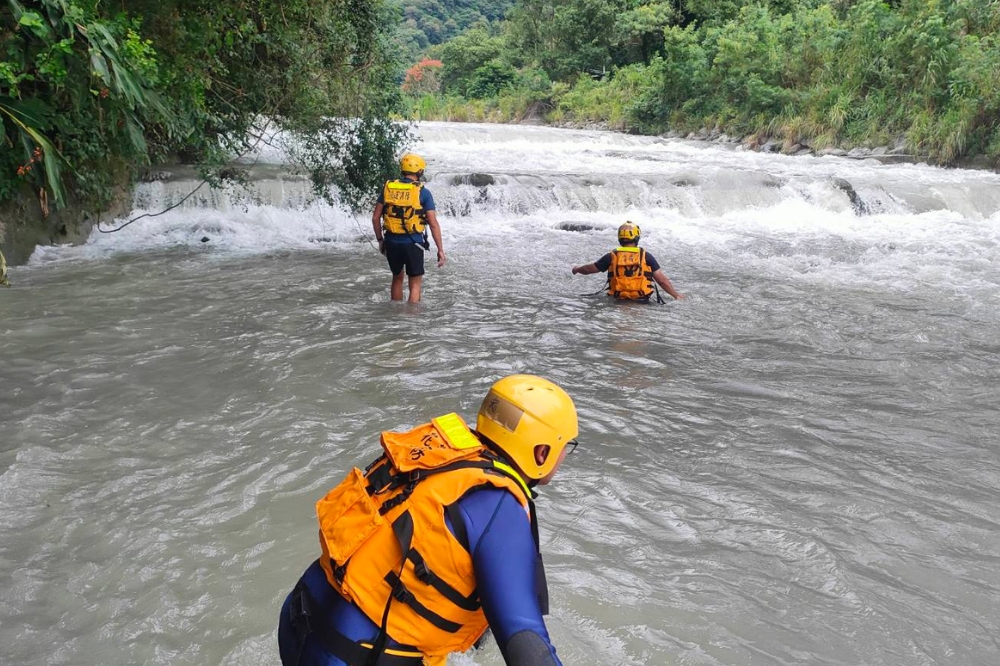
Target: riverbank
{"type": "Point", "coordinates": [897, 153]}
{"type": "Point", "coordinates": [27, 222]}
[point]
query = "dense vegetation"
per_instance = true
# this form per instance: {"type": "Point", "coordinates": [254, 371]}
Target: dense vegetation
{"type": "Point", "coordinates": [425, 23]}
{"type": "Point", "coordinates": [822, 72]}
{"type": "Point", "coordinates": [91, 91]}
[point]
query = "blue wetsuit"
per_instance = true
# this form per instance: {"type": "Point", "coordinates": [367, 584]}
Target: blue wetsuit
{"type": "Point", "coordinates": [503, 556]}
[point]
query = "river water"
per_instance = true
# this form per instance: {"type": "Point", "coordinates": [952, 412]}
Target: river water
{"type": "Point", "coordinates": [795, 465]}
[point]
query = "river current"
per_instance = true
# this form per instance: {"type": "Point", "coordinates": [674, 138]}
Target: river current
{"type": "Point", "coordinates": [796, 465]}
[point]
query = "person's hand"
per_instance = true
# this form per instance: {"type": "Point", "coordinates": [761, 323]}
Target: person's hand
{"type": "Point", "coordinates": [381, 246]}
{"type": "Point", "coordinates": [440, 258]}
{"type": "Point", "coordinates": [576, 270]}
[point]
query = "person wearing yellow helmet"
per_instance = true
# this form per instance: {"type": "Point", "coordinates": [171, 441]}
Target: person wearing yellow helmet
{"type": "Point", "coordinates": [631, 270]}
{"type": "Point", "coordinates": [436, 541]}
{"type": "Point", "coordinates": [404, 211]}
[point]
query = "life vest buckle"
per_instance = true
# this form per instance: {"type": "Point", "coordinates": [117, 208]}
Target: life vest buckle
{"type": "Point", "coordinates": [421, 571]}
{"type": "Point", "coordinates": [402, 594]}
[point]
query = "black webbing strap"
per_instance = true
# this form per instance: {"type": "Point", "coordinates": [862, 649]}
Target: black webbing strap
{"type": "Point", "coordinates": [458, 525]}
{"type": "Point", "coordinates": [649, 276]}
{"type": "Point", "coordinates": [541, 585]}
{"type": "Point", "coordinates": [400, 593]}
{"type": "Point", "coordinates": [385, 478]}
{"type": "Point", "coordinates": [425, 575]}
{"type": "Point", "coordinates": [378, 479]}
{"type": "Point", "coordinates": [402, 527]}
{"type": "Point", "coordinates": [416, 476]}
{"type": "Point", "coordinates": [334, 642]}
{"type": "Point", "coordinates": [393, 502]}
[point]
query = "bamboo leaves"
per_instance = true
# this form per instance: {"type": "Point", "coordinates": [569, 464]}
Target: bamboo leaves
{"type": "Point", "coordinates": [31, 118]}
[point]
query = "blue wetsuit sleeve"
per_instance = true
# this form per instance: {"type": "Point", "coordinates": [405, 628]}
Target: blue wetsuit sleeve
{"type": "Point", "coordinates": [604, 263]}
{"type": "Point", "coordinates": [426, 199]}
{"type": "Point", "coordinates": [503, 556]}
{"type": "Point", "coordinates": [654, 265]}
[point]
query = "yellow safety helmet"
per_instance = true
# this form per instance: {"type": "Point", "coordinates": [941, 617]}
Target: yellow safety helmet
{"type": "Point", "coordinates": [628, 233]}
{"type": "Point", "coordinates": [410, 163]}
{"type": "Point", "coordinates": [523, 412]}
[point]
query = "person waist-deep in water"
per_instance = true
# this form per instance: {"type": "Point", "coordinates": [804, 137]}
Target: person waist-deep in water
{"type": "Point", "coordinates": [437, 541]}
{"type": "Point", "coordinates": [631, 270]}
{"type": "Point", "coordinates": [405, 209]}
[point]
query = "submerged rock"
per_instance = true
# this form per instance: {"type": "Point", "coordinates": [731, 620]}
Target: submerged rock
{"type": "Point", "coordinates": [474, 179]}
{"type": "Point", "coordinates": [859, 206]}
{"type": "Point", "coordinates": [579, 226]}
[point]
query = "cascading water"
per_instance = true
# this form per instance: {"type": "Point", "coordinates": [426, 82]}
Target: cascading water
{"type": "Point", "coordinates": [795, 465]}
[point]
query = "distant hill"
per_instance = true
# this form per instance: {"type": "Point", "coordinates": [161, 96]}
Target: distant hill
{"type": "Point", "coordinates": [429, 22]}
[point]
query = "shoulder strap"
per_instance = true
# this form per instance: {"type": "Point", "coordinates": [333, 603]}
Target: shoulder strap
{"type": "Point", "coordinates": [541, 585]}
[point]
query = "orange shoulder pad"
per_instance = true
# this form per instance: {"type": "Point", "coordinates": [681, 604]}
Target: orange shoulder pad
{"type": "Point", "coordinates": [444, 440]}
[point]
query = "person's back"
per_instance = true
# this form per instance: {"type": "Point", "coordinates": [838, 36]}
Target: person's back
{"type": "Point", "coordinates": [405, 209]}
{"type": "Point", "coordinates": [631, 270]}
{"type": "Point", "coordinates": [630, 276]}
{"type": "Point", "coordinates": [436, 541]}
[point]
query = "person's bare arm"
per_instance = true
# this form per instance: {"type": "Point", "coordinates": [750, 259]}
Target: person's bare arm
{"type": "Point", "coordinates": [663, 281]}
{"type": "Point", "coordinates": [377, 226]}
{"type": "Point", "coordinates": [586, 269]}
{"type": "Point", "coordinates": [432, 222]}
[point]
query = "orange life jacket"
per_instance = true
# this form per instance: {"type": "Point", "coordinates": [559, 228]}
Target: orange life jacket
{"type": "Point", "coordinates": [629, 275]}
{"type": "Point", "coordinates": [402, 213]}
{"type": "Point", "coordinates": [386, 546]}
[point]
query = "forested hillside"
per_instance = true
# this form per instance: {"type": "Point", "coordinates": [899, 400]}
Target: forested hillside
{"type": "Point", "coordinates": [424, 23]}
{"type": "Point", "coordinates": [816, 72]}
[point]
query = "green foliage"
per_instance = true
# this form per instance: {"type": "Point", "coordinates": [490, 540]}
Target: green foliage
{"type": "Point", "coordinates": [102, 90]}
{"type": "Point", "coordinates": [74, 91]}
{"type": "Point", "coordinates": [565, 37]}
{"type": "Point", "coordinates": [701, 12]}
{"type": "Point", "coordinates": [349, 159]}
{"type": "Point", "coordinates": [677, 80]}
{"type": "Point", "coordinates": [425, 23]}
{"type": "Point", "coordinates": [823, 72]}
{"type": "Point", "coordinates": [639, 29]}
{"type": "Point", "coordinates": [465, 56]}
{"type": "Point", "coordinates": [489, 79]}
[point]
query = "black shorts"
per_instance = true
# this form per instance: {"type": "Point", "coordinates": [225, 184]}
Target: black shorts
{"type": "Point", "coordinates": [405, 255]}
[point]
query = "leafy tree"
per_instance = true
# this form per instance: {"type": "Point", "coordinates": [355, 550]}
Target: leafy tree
{"type": "Point", "coordinates": [102, 90]}
{"type": "Point", "coordinates": [432, 22]}
{"type": "Point", "coordinates": [565, 37]}
{"type": "Point", "coordinates": [489, 79]}
{"type": "Point", "coordinates": [463, 56]}
{"type": "Point", "coordinates": [639, 29]}
{"type": "Point", "coordinates": [423, 78]}
{"type": "Point", "coordinates": [679, 79]}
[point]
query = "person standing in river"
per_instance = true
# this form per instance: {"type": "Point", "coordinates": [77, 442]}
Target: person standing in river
{"type": "Point", "coordinates": [631, 270]}
{"type": "Point", "coordinates": [437, 541]}
{"type": "Point", "coordinates": [401, 217]}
